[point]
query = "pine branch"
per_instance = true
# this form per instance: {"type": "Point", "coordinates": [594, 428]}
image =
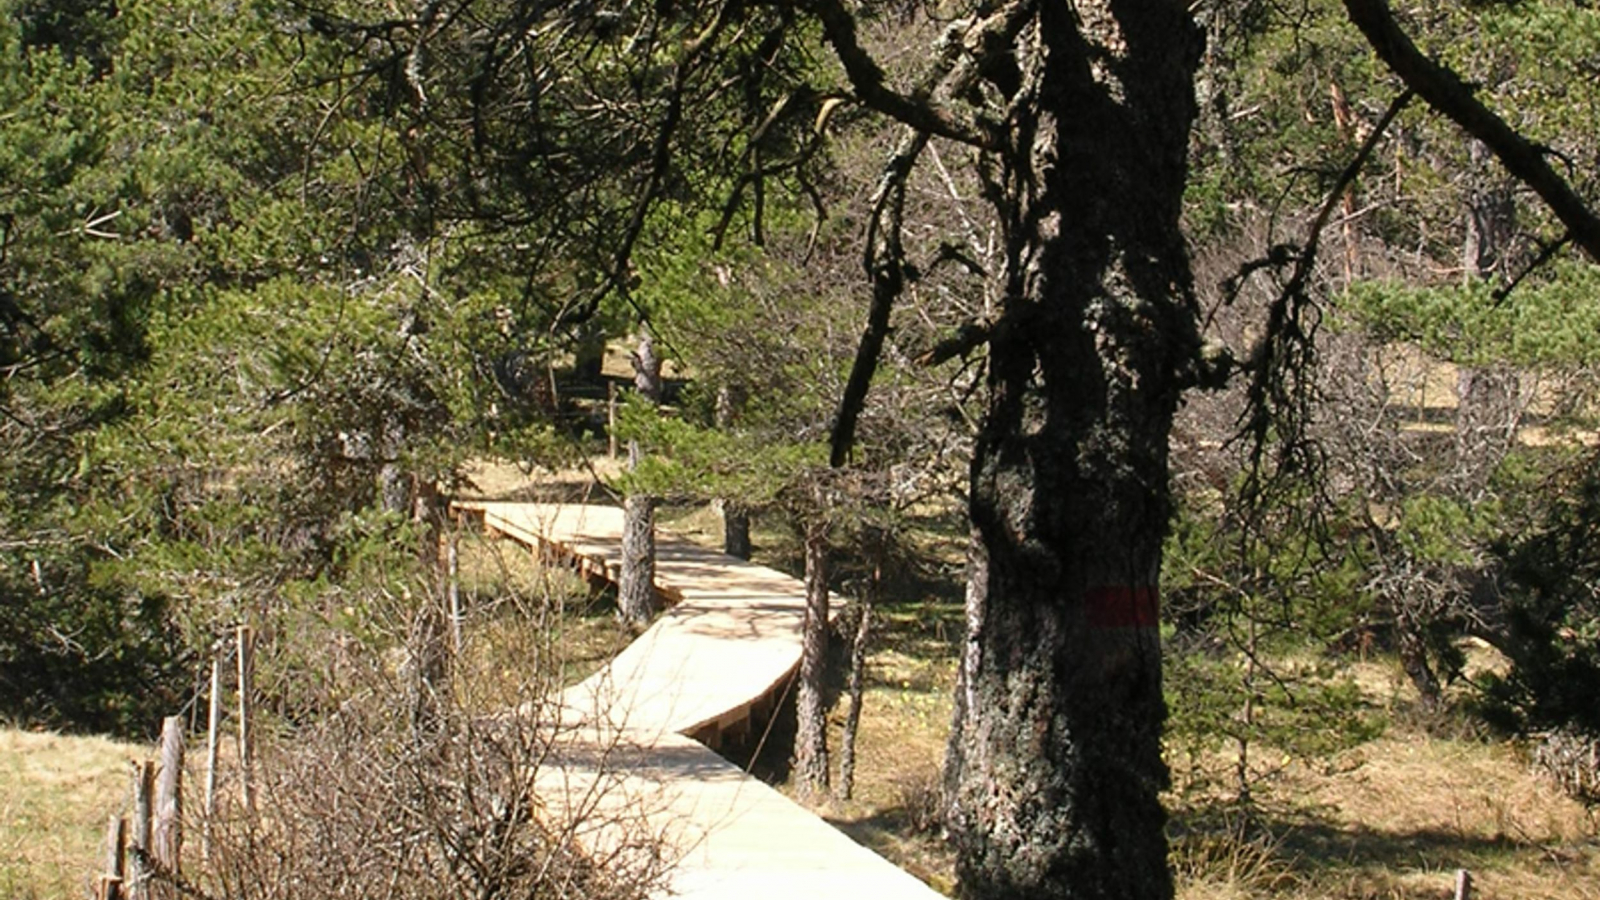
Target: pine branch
{"type": "Point", "coordinates": [1446, 92]}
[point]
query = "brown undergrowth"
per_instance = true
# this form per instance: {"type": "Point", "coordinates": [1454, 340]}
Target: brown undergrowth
{"type": "Point", "coordinates": [1392, 818]}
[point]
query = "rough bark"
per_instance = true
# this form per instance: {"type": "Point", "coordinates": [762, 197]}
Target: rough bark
{"type": "Point", "coordinates": [636, 586]}
{"type": "Point", "coordinates": [858, 666]}
{"type": "Point", "coordinates": [1055, 762]}
{"type": "Point", "coordinates": [735, 528]}
{"type": "Point", "coordinates": [647, 369]}
{"type": "Point", "coordinates": [811, 738]}
{"type": "Point", "coordinates": [735, 516]}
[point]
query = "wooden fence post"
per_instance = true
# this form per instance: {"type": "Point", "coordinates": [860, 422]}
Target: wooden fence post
{"type": "Point", "coordinates": [110, 884]}
{"type": "Point", "coordinates": [213, 724]}
{"type": "Point", "coordinates": [611, 419]}
{"type": "Point", "coordinates": [1463, 884]}
{"type": "Point", "coordinates": [138, 873]}
{"type": "Point", "coordinates": [168, 831]}
{"type": "Point", "coordinates": [247, 752]}
{"type": "Point", "coordinates": [452, 566]}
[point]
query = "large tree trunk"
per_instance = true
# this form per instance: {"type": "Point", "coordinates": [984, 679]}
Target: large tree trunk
{"type": "Point", "coordinates": [1054, 761]}
{"type": "Point", "coordinates": [811, 711]}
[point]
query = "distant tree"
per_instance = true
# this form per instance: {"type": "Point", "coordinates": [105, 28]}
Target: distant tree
{"type": "Point", "coordinates": [636, 587]}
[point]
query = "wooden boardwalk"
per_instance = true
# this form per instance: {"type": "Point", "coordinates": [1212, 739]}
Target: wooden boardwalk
{"type": "Point", "coordinates": [709, 665]}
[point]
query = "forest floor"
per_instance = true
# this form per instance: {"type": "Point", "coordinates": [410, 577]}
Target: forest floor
{"type": "Point", "coordinates": [1394, 817]}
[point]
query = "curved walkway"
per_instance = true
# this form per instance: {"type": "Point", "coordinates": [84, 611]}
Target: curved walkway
{"type": "Point", "coordinates": [709, 665]}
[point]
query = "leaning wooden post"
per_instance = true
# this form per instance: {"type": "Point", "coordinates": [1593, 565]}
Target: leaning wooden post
{"type": "Point", "coordinates": [138, 873]}
{"type": "Point", "coordinates": [168, 831]}
{"type": "Point", "coordinates": [247, 753]}
{"type": "Point", "coordinates": [1463, 885]}
{"type": "Point", "coordinates": [213, 725]}
{"type": "Point", "coordinates": [611, 419]}
{"type": "Point", "coordinates": [110, 885]}
{"type": "Point", "coordinates": [452, 566]}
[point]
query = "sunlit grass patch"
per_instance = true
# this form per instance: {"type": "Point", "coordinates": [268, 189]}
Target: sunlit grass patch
{"type": "Point", "coordinates": [56, 795]}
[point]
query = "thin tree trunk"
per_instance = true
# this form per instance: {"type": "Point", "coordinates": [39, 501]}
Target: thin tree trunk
{"type": "Point", "coordinates": [1055, 760]}
{"type": "Point", "coordinates": [735, 516]}
{"type": "Point", "coordinates": [452, 575]}
{"type": "Point", "coordinates": [811, 737]}
{"type": "Point", "coordinates": [636, 587]}
{"type": "Point", "coordinates": [588, 360]}
{"type": "Point", "coordinates": [1247, 723]}
{"type": "Point", "coordinates": [735, 529]}
{"type": "Point", "coordinates": [611, 419]}
{"type": "Point", "coordinates": [647, 369]}
{"type": "Point", "coordinates": [1413, 651]}
{"type": "Point", "coordinates": [429, 656]}
{"type": "Point", "coordinates": [1488, 408]}
{"type": "Point", "coordinates": [858, 665]}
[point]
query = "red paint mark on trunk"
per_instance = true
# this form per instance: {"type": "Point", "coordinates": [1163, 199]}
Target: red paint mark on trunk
{"type": "Point", "coordinates": [1121, 606]}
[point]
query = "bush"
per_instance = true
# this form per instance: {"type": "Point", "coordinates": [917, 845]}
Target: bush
{"type": "Point", "coordinates": [408, 789]}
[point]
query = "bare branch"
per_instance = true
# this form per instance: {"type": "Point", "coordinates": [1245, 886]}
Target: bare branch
{"type": "Point", "coordinates": [1446, 92]}
{"type": "Point", "coordinates": [916, 110]}
{"type": "Point", "coordinates": [1285, 345]}
{"type": "Point", "coordinates": [885, 264]}
{"type": "Point", "coordinates": [969, 337]}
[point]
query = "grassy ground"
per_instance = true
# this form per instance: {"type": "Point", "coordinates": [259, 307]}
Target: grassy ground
{"type": "Point", "coordinates": [525, 618]}
{"type": "Point", "coordinates": [56, 794]}
{"type": "Point", "coordinates": [1393, 818]}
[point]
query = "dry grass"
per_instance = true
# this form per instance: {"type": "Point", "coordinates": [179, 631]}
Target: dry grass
{"type": "Point", "coordinates": [1392, 819]}
{"type": "Point", "coordinates": [899, 755]}
{"type": "Point", "coordinates": [1396, 817]}
{"type": "Point", "coordinates": [525, 615]}
{"type": "Point", "coordinates": [56, 793]}
{"type": "Point", "coordinates": [1409, 810]}
{"type": "Point", "coordinates": [504, 480]}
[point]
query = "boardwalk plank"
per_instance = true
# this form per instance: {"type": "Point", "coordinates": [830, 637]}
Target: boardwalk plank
{"type": "Point", "coordinates": [731, 639]}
